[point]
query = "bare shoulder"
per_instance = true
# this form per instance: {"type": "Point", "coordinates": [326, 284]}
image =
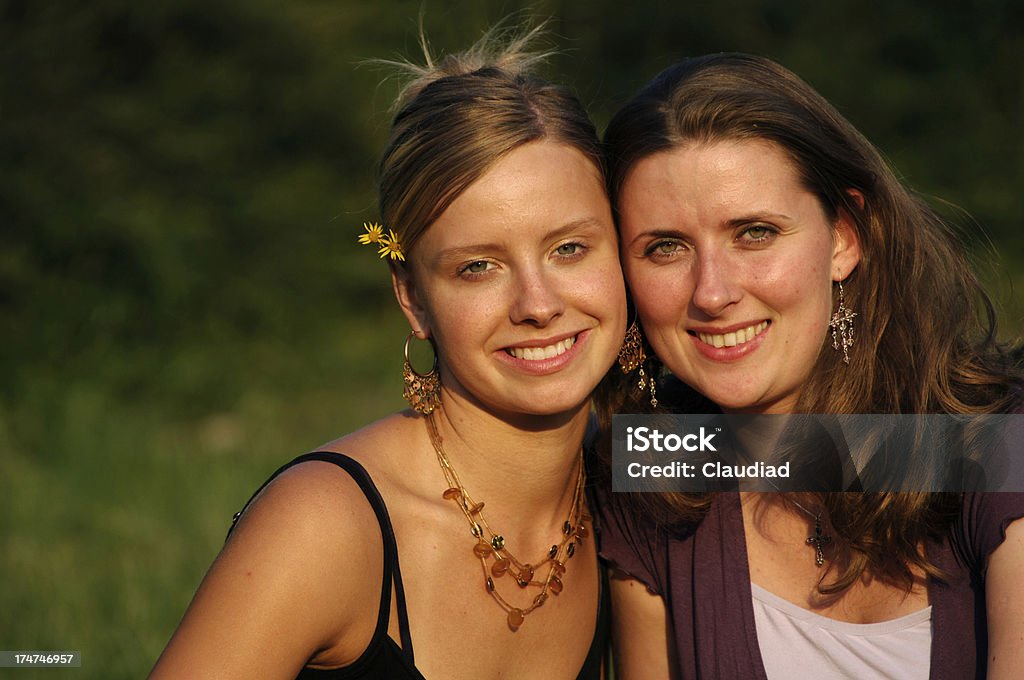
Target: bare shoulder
{"type": "Point", "coordinates": [383, 448]}
{"type": "Point", "coordinates": [301, 573]}
{"type": "Point", "coordinates": [640, 630]}
{"type": "Point", "coordinates": [1004, 599]}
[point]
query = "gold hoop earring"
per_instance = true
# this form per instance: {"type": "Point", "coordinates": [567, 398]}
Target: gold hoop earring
{"type": "Point", "coordinates": [841, 324]}
{"type": "Point", "coordinates": [422, 391]}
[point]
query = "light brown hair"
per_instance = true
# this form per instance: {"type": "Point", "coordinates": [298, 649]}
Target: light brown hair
{"type": "Point", "coordinates": [460, 115]}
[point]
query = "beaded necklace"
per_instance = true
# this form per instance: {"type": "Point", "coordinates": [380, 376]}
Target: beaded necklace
{"type": "Point", "coordinates": [491, 549]}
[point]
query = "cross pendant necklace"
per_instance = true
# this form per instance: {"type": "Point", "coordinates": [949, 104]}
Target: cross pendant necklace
{"type": "Point", "coordinates": [818, 540]}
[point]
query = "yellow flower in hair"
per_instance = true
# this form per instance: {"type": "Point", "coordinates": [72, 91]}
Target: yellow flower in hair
{"type": "Point", "coordinates": [390, 247]}
{"type": "Point", "coordinates": [374, 233]}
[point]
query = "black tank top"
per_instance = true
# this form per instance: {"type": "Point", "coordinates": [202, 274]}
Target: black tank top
{"type": "Point", "coordinates": [383, 659]}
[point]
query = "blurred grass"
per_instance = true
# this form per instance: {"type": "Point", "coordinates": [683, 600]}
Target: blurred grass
{"type": "Point", "coordinates": [108, 527]}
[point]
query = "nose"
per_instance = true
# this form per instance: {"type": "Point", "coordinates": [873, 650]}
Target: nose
{"type": "Point", "coordinates": [538, 300]}
{"type": "Point", "coordinates": [715, 283]}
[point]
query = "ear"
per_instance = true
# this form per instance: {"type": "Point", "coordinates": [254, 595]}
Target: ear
{"type": "Point", "coordinates": [845, 242]}
{"type": "Point", "coordinates": [409, 300]}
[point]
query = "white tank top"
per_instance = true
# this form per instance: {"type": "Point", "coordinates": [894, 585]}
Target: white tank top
{"type": "Point", "coordinates": [798, 643]}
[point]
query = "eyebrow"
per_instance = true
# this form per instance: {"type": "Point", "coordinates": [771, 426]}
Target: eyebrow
{"type": "Point", "coordinates": [765, 216]}
{"type": "Point", "coordinates": [657, 233]}
{"type": "Point", "coordinates": [461, 252]}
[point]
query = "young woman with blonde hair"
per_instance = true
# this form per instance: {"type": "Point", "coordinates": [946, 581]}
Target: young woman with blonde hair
{"type": "Point", "coordinates": [449, 540]}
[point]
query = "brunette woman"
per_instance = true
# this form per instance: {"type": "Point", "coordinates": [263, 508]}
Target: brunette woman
{"type": "Point", "coordinates": [778, 266]}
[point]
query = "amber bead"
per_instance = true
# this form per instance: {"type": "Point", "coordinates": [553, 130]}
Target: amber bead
{"type": "Point", "coordinates": [500, 566]}
{"type": "Point", "coordinates": [582, 532]}
{"type": "Point", "coordinates": [451, 493]}
{"type": "Point", "coordinates": [586, 518]}
{"type": "Point", "coordinates": [515, 618]}
{"type": "Point", "coordinates": [556, 585]}
{"type": "Point", "coordinates": [476, 508]}
{"type": "Point", "coordinates": [481, 549]}
{"type": "Point", "coordinates": [498, 542]}
{"type": "Point", "coordinates": [558, 567]}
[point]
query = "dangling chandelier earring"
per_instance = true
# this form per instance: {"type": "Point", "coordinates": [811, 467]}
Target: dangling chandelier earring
{"type": "Point", "coordinates": [422, 391]}
{"type": "Point", "coordinates": [632, 355]}
{"type": "Point", "coordinates": [842, 327]}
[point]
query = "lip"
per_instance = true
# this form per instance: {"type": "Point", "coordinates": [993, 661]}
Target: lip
{"type": "Point", "coordinates": [736, 352]}
{"type": "Point", "coordinates": [544, 366]}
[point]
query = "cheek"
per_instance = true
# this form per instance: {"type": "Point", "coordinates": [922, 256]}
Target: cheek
{"type": "Point", "coordinates": [661, 294]}
{"type": "Point", "coordinates": [599, 287]}
{"type": "Point", "coordinates": [460, 319]}
{"type": "Point", "coordinates": [798, 280]}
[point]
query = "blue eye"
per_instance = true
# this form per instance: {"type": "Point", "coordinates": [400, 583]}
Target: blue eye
{"type": "Point", "coordinates": [478, 267]}
{"type": "Point", "coordinates": [569, 249]}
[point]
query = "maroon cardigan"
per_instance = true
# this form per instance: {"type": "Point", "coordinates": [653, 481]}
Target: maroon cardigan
{"type": "Point", "coordinates": [705, 580]}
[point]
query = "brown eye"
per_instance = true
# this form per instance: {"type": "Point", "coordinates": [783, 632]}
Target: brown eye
{"type": "Point", "coordinates": [757, 233]}
{"type": "Point", "coordinates": [663, 248]}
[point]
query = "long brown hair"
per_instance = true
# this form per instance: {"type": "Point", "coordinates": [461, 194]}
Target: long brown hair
{"type": "Point", "coordinates": [926, 330]}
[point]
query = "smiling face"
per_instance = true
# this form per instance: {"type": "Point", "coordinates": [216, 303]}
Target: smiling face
{"type": "Point", "coordinates": [519, 284]}
{"type": "Point", "coordinates": [731, 260]}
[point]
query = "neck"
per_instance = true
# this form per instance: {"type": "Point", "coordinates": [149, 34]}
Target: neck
{"type": "Point", "coordinates": [524, 468]}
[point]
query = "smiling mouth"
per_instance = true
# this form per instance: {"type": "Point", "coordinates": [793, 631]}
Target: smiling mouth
{"type": "Point", "coordinates": [540, 353]}
{"type": "Point", "coordinates": [733, 338]}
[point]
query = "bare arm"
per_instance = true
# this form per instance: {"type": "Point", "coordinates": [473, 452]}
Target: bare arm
{"type": "Point", "coordinates": [640, 631]}
{"type": "Point", "coordinates": [298, 580]}
{"type": "Point", "coordinates": [1004, 599]}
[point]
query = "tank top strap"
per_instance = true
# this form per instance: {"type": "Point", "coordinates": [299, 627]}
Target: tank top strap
{"type": "Point", "coordinates": [392, 573]}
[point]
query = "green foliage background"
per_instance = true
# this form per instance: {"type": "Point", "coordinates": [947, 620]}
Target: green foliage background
{"type": "Point", "coordinates": [182, 304]}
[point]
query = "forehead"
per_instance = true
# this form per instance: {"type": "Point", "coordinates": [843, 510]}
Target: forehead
{"type": "Point", "coordinates": [538, 186]}
{"type": "Point", "coordinates": [527, 173]}
{"type": "Point", "coordinates": [755, 161]}
{"type": "Point", "coordinates": [748, 173]}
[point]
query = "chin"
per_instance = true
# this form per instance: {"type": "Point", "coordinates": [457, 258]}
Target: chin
{"type": "Point", "coordinates": [732, 400]}
{"type": "Point", "coordinates": [541, 407]}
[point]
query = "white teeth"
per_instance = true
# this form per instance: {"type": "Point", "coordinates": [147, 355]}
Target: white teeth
{"type": "Point", "coordinates": [733, 338]}
{"type": "Point", "coordinates": [538, 353]}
